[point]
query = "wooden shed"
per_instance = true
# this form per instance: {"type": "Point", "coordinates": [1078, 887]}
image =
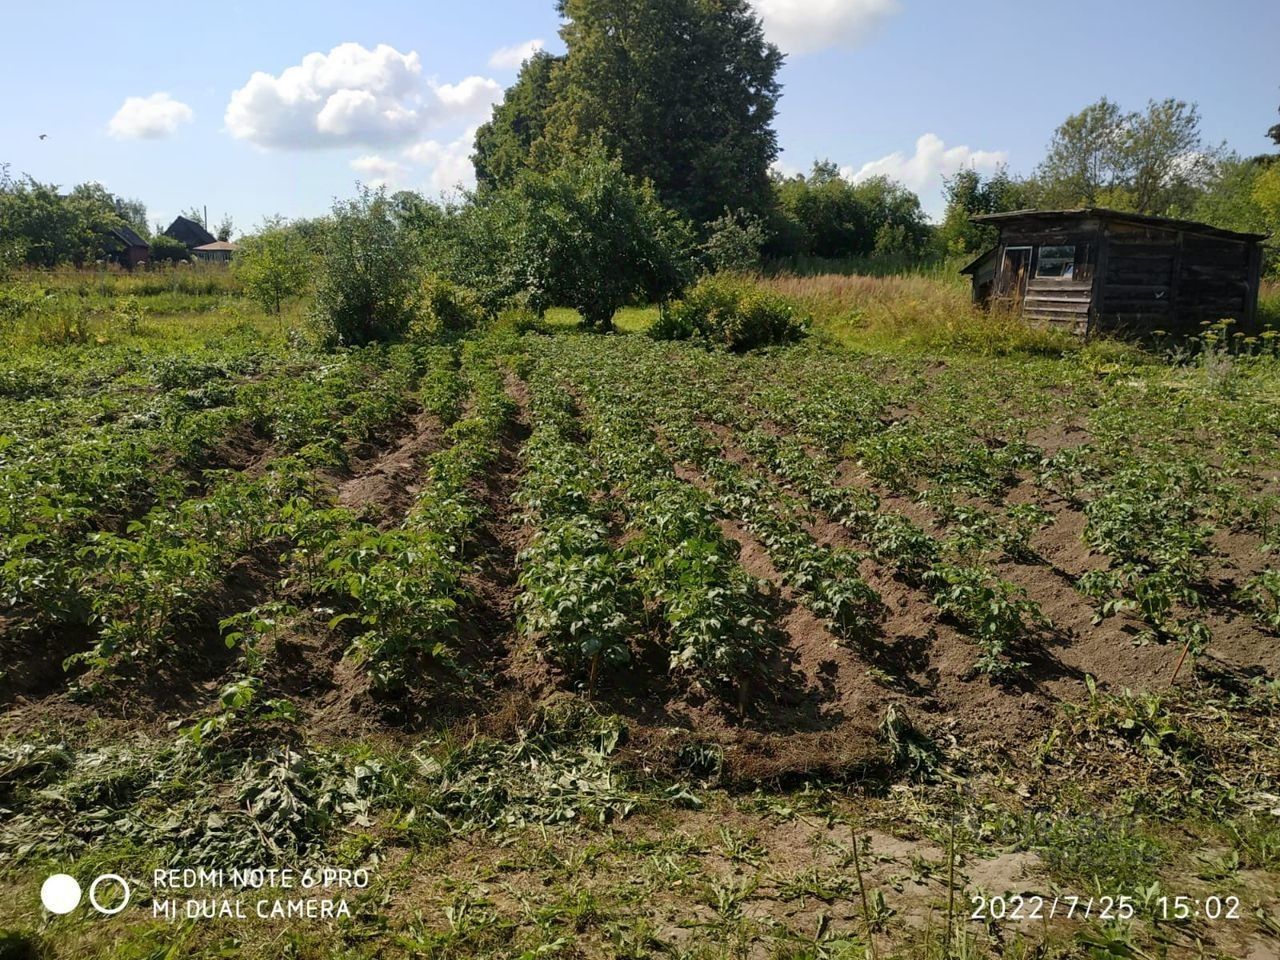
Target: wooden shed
{"type": "Point", "coordinates": [1091, 270]}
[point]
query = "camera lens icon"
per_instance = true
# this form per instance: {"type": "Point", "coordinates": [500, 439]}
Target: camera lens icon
{"type": "Point", "coordinates": [61, 893]}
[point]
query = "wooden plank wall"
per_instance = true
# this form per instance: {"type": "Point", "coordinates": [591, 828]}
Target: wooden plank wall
{"type": "Point", "coordinates": [1165, 279]}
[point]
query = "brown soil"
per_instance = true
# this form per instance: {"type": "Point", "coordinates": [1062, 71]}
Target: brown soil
{"type": "Point", "coordinates": [384, 485]}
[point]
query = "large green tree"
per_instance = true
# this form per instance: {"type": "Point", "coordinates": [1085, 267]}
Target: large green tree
{"type": "Point", "coordinates": [684, 91]}
{"type": "Point", "coordinates": [969, 193]}
{"type": "Point", "coordinates": [1155, 161]}
{"type": "Point", "coordinates": [505, 143]}
{"type": "Point", "coordinates": [585, 234]}
{"type": "Point", "coordinates": [44, 227]}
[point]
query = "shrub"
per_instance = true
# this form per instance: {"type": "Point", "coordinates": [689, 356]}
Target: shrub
{"type": "Point", "coordinates": [273, 264]}
{"type": "Point", "coordinates": [168, 250]}
{"type": "Point", "coordinates": [732, 312]}
{"type": "Point", "coordinates": [734, 242]}
{"type": "Point", "coordinates": [447, 307]}
{"type": "Point", "coordinates": [367, 277]}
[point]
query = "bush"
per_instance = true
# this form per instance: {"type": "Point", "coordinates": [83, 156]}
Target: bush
{"type": "Point", "coordinates": [273, 264]}
{"type": "Point", "coordinates": [368, 273]}
{"type": "Point", "coordinates": [168, 250]}
{"type": "Point", "coordinates": [734, 242]}
{"type": "Point", "coordinates": [447, 307]}
{"type": "Point", "coordinates": [732, 312]}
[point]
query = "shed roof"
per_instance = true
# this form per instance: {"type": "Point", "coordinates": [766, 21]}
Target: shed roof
{"type": "Point", "coordinates": [218, 245]}
{"type": "Point", "coordinates": [1103, 213]}
{"type": "Point", "coordinates": [128, 236]}
{"type": "Point", "coordinates": [973, 264]}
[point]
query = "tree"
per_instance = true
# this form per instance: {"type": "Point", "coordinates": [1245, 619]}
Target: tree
{"type": "Point", "coordinates": [505, 143]}
{"type": "Point", "coordinates": [734, 242]}
{"type": "Point", "coordinates": [969, 194]}
{"type": "Point", "coordinates": [1274, 134]}
{"type": "Point", "coordinates": [46, 227]}
{"type": "Point", "coordinates": [225, 229]}
{"type": "Point", "coordinates": [195, 214]}
{"type": "Point", "coordinates": [134, 213]}
{"type": "Point", "coordinates": [584, 235]}
{"type": "Point", "coordinates": [273, 264]}
{"type": "Point", "coordinates": [684, 91]}
{"type": "Point", "coordinates": [827, 216]}
{"type": "Point", "coordinates": [368, 271]}
{"type": "Point", "coordinates": [1153, 162]}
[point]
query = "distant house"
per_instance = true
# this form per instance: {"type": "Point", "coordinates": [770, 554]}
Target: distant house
{"type": "Point", "coordinates": [1091, 270]}
{"type": "Point", "coordinates": [220, 251]}
{"type": "Point", "coordinates": [189, 233]}
{"type": "Point", "coordinates": [126, 247]}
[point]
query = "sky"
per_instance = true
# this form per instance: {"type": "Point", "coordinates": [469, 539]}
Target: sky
{"type": "Point", "coordinates": [253, 109]}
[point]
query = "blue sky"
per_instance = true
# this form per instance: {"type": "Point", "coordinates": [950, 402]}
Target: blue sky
{"type": "Point", "coordinates": [258, 108]}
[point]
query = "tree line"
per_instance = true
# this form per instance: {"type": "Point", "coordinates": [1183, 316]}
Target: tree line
{"type": "Point", "coordinates": [654, 134]}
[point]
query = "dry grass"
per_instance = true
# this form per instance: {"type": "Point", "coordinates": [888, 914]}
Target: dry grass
{"type": "Point", "coordinates": [913, 311]}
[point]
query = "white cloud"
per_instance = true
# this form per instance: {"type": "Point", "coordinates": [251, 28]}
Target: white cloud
{"type": "Point", "coordinates": [149, 118]}
{"type": "Point", "coordinates": [378, 171]}
{"type": "Point", "coordinates": [430, 166]}
{"type": "Point", "coordinates": [512, 58]}
{"type": "Point", "coordinates": [351, 96]}
{"type": "Point", "coordinates": [469, 99]}
{"type": "Point", "coordinates": [803, 26]}
{"type": "Point", "coordinates": [924, 170]}
{"type": "Point", "coordinates": [450, 163]}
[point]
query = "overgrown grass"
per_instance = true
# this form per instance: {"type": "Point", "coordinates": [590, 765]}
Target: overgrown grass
{"type": "Point", "coordinates": [919, 313]}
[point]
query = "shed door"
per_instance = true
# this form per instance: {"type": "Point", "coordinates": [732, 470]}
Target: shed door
{"type": "Point", "coordinates": [1015, 267]}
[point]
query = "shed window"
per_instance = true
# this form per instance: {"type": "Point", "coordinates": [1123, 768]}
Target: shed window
{"type": "Point", "coordinates": [1057, 262]}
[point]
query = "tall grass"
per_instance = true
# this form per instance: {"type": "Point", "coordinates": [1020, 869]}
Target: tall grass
{"type": "Point", "coordinates": [1269, 304]}
{"type": "Point", "coordinates": [917, 312]}
{"type": "Point", "coordinates": [108, 281]}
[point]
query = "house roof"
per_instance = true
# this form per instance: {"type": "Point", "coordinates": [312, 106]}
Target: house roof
{"type": "Point", "coordinates": [128, 236]}
{"type": "Point", "coordinates": [1103, 213]}
{"type": "Point", "coordinates": [189, 232]}
{"type": "Point", "coordinates": [218, 245]}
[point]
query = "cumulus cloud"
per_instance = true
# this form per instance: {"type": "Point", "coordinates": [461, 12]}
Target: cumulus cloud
{"type": "Point", "coordinates": [351, 96]}
{"type": "Point", "coordinates": [379, 171]}
{"type": "Point", "coordinates": [430, 165]}
{"type": "Point", "coordinates": [803, 26]}
{"type": "Point", "coordinates": [449, 164]}
{"type": "Point", "coordinates": [512, 58]}
{"type": "Point", "coordinates": [469, 99]}
{"type": "Point", "coordinates": [924, 170]}
{"type": "Point", "coordinates": [149, 118]}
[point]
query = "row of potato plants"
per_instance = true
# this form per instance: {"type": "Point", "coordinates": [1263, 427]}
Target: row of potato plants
{"type": "Point", "coordinates": [144, 587]}
{"type": "Point", "coordinates": [577, 599]}
{"type": "Point", "coordinates": [403, 586]}
{"type": "Point", "coordinates": [56, 496]}
{"type": "Point", "coordinates": [996, 613]}
{"type": "Point", "coordinates": [708, 613]}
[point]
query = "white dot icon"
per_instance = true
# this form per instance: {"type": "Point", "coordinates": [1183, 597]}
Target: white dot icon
{"type": "Point", "coordinates": [60, 893]}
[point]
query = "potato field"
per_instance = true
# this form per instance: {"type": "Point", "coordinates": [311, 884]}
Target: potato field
{"type": "Point", "coordinates": [584, 645]}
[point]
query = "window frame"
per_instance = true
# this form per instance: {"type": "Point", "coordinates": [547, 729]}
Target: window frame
{"type": "Point", "coordinates": [1066, 261]}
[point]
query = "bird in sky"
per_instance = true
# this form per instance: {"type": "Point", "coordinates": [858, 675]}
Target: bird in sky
{"type": "Point", "coordinates": [44, 136]}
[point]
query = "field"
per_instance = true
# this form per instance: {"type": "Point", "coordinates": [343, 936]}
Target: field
{"type": "Point", "coordinates": [595, 646]}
